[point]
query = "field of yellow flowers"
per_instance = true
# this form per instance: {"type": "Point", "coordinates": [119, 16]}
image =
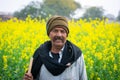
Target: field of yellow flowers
{"type": "Point", "coordinates": [98, 40]}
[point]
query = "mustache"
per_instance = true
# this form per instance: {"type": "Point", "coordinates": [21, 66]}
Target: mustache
{"type": "Point", "coordinates": [58, 38]}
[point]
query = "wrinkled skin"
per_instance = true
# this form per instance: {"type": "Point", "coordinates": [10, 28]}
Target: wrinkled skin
{"type": "Point", "coordinates": [58, 38]}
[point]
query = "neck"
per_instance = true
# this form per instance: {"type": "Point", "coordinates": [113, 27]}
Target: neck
{"type": "Point", "coordinates": [56, 49]}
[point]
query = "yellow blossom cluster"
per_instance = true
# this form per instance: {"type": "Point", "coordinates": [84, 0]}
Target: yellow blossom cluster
{"type": "Point", "coordinates": [98, 40]}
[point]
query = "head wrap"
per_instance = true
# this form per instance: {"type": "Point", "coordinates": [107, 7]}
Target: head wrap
{"type": "Point", "coordinates": [57, 21]}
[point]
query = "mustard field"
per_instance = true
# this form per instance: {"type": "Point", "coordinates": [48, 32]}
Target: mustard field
{"type": "Point", "coordinates": [98, 40]}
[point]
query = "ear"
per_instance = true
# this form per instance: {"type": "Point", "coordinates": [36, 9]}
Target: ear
{"type": "Point", "coordinates": [49, 35]}
{"type": "Point", "coordinates": [67, 35]}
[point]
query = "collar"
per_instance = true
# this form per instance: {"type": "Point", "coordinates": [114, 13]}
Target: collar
{"type": "Point", "coordinates": [60, 54]}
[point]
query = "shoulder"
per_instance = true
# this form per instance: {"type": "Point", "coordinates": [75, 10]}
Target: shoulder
{"type": "Point", "coordinates": [43, 47]}
{"type": "Point", "coordinates": [76, 51]}
{"type": "Point", "coordinates": [75, 47]}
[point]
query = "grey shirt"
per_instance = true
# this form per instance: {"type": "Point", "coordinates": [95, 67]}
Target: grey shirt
{"type": "Point", "coordinates": [76, 71]}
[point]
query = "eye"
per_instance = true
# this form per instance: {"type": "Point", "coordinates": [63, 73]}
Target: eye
{"type": "Point", "coordinates": [63, 31]}
{"type": "Point", "coordinates": [55, 31]}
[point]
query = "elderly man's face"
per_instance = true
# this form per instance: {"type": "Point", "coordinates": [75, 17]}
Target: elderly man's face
{"type": "Point", "coordinates": [58, 36]}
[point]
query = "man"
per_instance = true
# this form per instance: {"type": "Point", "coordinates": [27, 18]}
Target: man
{"type": "Point", "coordinates": [57, 59]}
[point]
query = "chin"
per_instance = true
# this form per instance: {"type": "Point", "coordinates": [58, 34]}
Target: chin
{"type": "Point", "coordinates": [59, 44]}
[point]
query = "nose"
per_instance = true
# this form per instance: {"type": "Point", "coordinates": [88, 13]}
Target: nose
{"type": "Point", "coordinates": [59, 33]}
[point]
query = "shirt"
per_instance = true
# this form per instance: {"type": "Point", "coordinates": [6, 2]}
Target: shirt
{"type": "Point", "coordinates": [76, 71]}
{"type": "Point", "coordinates": [60, 54]}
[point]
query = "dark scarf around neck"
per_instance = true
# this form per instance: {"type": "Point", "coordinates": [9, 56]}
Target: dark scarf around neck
{"type": "Point", "coordinates": [70, 54]}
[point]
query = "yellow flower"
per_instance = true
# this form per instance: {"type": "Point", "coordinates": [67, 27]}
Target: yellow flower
{"type": "Point", "coordinates": [5, 62]}
{"type": "Point", "coordinates": [115, 67]}
{"type": "Point", "coordinates": [98, 55]}
{"type": "Point", "coordinates": [98, 78]}
{"type": "Point", "coordinates": [91, 75]}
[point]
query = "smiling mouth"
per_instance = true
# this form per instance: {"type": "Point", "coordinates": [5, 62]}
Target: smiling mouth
{"type": "Point", "coordinates": [58, 40]}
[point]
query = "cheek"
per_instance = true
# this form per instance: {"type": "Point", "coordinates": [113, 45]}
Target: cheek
{"type": "Point", "coordinates": [51, 36]}
{"type": "Point", "coordinates": [65, 36]}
